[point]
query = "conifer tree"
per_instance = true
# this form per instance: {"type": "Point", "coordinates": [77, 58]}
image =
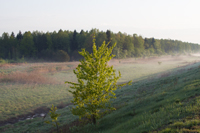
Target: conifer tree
{"type": "Point", "coordinates": [96, 82]}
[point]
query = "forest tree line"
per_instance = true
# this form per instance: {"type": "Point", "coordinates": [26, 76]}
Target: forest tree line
{"type": "Point", "coordinates": [64, 45]}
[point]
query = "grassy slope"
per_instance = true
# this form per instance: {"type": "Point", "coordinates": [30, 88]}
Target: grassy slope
{"type": "Point", "coordinates": [149, 104]}
{"type": "Point", "coordinates": [170, 100]}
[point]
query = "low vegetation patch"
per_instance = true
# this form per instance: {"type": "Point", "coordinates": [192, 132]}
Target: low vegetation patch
{"type": "Point", "coordinates": [25, 78]}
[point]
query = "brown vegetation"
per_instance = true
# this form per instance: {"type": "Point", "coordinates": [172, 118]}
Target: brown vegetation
{"type": "Point", "coordinates": [29, 73]}
{"type": "Point", "coordinates": [24, 77]}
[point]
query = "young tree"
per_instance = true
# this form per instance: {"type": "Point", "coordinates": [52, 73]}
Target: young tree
{"type": "Point", "coordinates": [96, 82]}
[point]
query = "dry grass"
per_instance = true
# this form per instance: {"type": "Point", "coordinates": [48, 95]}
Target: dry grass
{"type": "Point", "coordinates": [10, 65]}
{"type": "Point", "coordinates": [24, 77]}
{"type": "Point", "coordinates": [33, 73]}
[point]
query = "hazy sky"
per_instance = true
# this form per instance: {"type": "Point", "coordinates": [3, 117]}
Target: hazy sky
{"type": "Point", "coordinates": [174, 19]}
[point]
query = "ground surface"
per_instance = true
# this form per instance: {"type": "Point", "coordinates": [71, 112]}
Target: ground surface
{"type": "Point", "coordinates": [30, 88]}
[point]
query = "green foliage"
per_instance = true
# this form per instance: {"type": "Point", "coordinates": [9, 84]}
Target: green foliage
{"type": "Point", "coordinates": [37, 44]}
{"type": "Point", "coordinates": [61, 56]}
{"type": "Point", "coordinates": [2, 61]}
{"type": "Point", "coordinates": [54, 117]}
{"type": "Point", "coordinates": [27, 47]}
{"type": "Point", "coordinates": [96, 82]}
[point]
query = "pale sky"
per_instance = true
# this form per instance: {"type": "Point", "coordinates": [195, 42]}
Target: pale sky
{"type": "Point", "coordinates": [167, 19]}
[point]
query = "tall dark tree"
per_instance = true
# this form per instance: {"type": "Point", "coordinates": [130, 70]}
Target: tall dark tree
{"type": "Point", "coordinates": [89, 39]}
{"type": "Point", "coordinates": [153, 42]}
{"type": "Point", "coordinates": [81, 39]}
{"type": "Point", "coordinates": [12, 35]}
{"type": "Point", "coordinates": [74, 44]}
{"type": "Point", "coordinates": [5, 45]}
{"type": "Point", "coordinates": [27, 45]}
{"type": "Point", "coordinates": [13, 51]}
{"type": "Point", "coordinates": [100, 37]}
{"type": "Point", "coordinates": [49, 41]}
{"type": "Point", "coordinates": [146, 43]}
{"type": "Point", "coordinates": [138, 42]}
{"type": "Point", "coordinates": [128, 46]}
{"type": "Point", "coordinates": [108, 35]}
{"type": "Point", "coordinates": [19, 36]}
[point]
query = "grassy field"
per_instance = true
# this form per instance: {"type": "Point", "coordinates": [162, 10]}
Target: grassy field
{"type": "Point", "coordinates": [162, 95]}
{"type": "Point", "coordinates": [25, 88]}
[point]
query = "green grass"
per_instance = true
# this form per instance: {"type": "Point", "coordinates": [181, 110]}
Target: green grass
{"type": "Point", "coordinates": [160, 104]}
{"type": "Point", "coordinates": [37, 125]}
{"type": "Point", "coordinates": [151, 103]}
{"type": "Point", "coordinates": [20, 99]}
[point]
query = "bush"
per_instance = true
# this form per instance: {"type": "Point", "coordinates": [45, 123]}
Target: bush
{"type": "Point", "coordinates": [61, 56]}
{"type": "Point", "coordinates": [50, 55]}
{"type": "Point", "coordinates": [2, 61]}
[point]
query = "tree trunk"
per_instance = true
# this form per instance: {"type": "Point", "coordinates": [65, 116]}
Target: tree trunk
{"type": "Point", "coordinates": [57, 127]}
{"type": "Point", "coordinates": [94, 119]}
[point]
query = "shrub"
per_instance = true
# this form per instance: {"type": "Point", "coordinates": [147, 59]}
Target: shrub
{"type": "Point", "coordinates": [61, 56]}
{"type": "Point", "coordinates": [2, 61]}
{"type": "Point", "coordinates": [54, 117]}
